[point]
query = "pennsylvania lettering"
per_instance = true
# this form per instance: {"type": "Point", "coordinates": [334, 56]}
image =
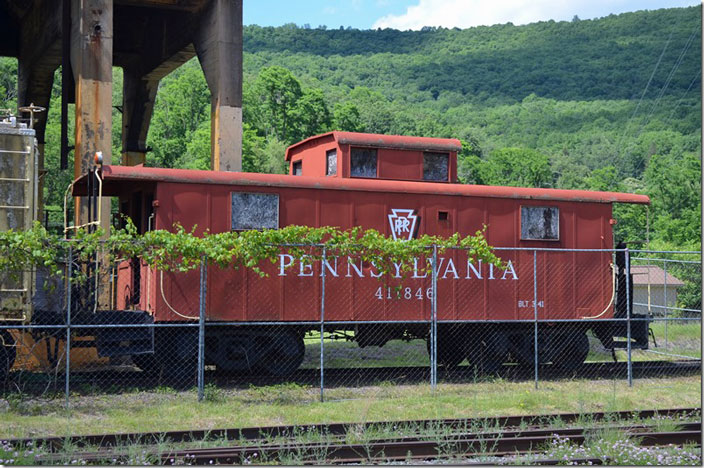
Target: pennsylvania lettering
{"type": "Point", "coordinates": [350, 267]}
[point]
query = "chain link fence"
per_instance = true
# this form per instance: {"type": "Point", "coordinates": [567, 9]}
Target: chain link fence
{"type": "Point", "coordinates": [339, 326]}
{"type": "Point", "coordinates": [667, 288]}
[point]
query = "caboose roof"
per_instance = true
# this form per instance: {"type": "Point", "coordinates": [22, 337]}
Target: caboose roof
{"type": "Point", "coordinates": [382, 141]}
{"type": "Point", "coordinates": [115, 178]}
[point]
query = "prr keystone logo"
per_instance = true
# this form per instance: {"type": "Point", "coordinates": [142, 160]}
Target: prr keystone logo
{"type": "Point", "coordinates": [403, 224]}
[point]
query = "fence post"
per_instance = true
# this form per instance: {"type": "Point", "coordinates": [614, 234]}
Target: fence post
{"type": "Point", "coordinates": [535, 317]}
{"type": "Point", "coordinates": [628, 316]}
{"type": "Point", "coordinates": [434, 323]}
{"type": "Point", "coordinates": [201, 326]}
{"type": "Point", "coordinates": [322, 327]}
{"type": "Point", "coordinates": [667, 306]}
{"type": "Point", "coordinates": [69, 273]}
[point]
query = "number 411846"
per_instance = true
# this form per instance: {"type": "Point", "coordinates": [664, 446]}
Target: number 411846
{"type": "Point", "coordinates": [403, 293]}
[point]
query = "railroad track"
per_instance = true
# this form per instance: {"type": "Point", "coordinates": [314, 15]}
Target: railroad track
{"type": "Point", "coordinates": [501, 443]}
{"type": "Point", "coordinates": [341, 443]}
{"type": "Point", "coordinates": [343, 377]}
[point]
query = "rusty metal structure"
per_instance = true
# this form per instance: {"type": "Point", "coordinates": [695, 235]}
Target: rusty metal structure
{"type": "Point", "coordinates": [146, 38]}
{"type": "Point", "coordinates": [87, 38]}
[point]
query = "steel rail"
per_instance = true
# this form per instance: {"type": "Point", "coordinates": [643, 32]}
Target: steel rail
{"type": "Point", "coordinates": [257, 433]}
{"type": "Point", "coordinates": [430, 447]}
{"type": "Point", "coordinates": [400, 450]}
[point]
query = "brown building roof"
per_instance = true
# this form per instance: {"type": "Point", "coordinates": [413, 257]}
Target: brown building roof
{"type": "Point", "coordinates": [644, 274]}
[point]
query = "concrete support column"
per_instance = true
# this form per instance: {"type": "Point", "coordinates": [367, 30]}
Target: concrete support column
{"type": "Point", "coordinates": [218, 43]}
{"type": "Point", "coordinates": [91, 60]}
{"type": "Point", "coordinates": [138, 98]}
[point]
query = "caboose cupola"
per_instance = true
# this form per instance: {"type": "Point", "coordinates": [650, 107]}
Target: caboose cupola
{"type": "Point", "coordinates": [372, 156]}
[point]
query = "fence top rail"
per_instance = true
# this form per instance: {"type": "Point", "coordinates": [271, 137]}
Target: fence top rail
{"type": "Point", "coordinates": [530, 249]}
{"type": "Point", "coordinates": [691, 252]}
{"type": "Point", "coordinates": [430, 247]}
{"type": "Point", "coordinates": [519, 249]}
{"type": "Point", "coordinates": [665, 260]}
{"type": "Point", "coordinates": [552, 249]}
{"type": "Point", "coordinates": [659, 318]}
{"type": "Point", "coordinates": [656, 306]}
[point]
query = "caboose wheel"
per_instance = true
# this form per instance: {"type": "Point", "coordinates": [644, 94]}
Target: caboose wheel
{"type": "Point", "coordinates": [8, 353]}
{"type": "Point", "coordinates": [285, 354]}
{"type": "Point", "coordinates": [573, 351]}
{"type": "Point", "coordinates": [174, 358]}
{"type": "Point", "coordinates": [234, 352]}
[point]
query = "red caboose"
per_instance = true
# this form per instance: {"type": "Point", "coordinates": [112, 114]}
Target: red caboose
{"type": "Point", "coordinates": [403, 187]}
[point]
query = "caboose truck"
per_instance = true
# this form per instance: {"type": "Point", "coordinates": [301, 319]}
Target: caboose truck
{"type": "Point", "coordinates": [402, 187]}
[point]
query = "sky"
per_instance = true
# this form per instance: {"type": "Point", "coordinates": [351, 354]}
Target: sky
{"type": "Point", "coordinates": [414, 14]}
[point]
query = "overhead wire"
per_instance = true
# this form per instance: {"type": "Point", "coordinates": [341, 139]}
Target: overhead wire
{"type": "Point", "coordinates": [620, 145]}
{"type": "Point", "coordinates": [669, 77]}
{"type": "Point", "coordinates": [691, 83]}
{"type": "Point", "coordinates": [661, 92]}
{"type": "Point", "coordinates": [645, 90]}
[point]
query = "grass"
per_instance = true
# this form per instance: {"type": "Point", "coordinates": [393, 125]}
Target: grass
{"type": "Point", "coordinates": [679, 337]}
{"type": "Point", "coordinates": [615, 448]}
{"type": "Point", "coordinates": [294, 404]}
{"type": "Point", "coordinates": [678, 330]}
{"type": "Point", "coordinates": [604, 439]}
{"type": "Point", "coordinates": [683, 339]}
{"type": "Point", "coordinates": [346, 354]}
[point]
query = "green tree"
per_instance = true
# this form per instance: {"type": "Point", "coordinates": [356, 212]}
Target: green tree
{"type": "Point", "coordinates": [197, 154]}
{"type": "Point", "coordinates": [182, 107]}
{"type": "Point", "coordinates": [346, 117]}
{"type": "Point", "coordinates": [271, 156]}
{"type": "Point", "coordinates": [604, 179]}
{"type": "Point", "coordinates": [374, 110]}
{"type": "Point", "coordinates": [469, 162]}
{"type": "Point", "coordinates": [311, 115]}
{"type": "Point", "coordinates": [517, 167]}
{"type": "Point", "coordinates": [252, 149]}
{"type": "Point", "coordinates": [674, 185]}
{"type": "Point", "coordinates": [278, 92]}
{"type": "Point", "coordinates": [8, 83]}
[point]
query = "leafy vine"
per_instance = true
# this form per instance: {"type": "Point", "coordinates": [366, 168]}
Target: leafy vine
{"type": "Point", "coordinates": [182, 250]}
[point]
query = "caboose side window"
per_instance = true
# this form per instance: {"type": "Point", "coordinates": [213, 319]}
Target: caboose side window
{"type": "Point", "coordinates": [540, 223]}
{"type": "Point", "coordinates": [363, 162]}
{"type": "Point", "coordinates": [255, 211]}
{"type": "Point", "coordinates": [298, 168]}
{"type": "Point", "coordinates": [436, 166]}
{"type": "Point", "coordinates": [331, 163]}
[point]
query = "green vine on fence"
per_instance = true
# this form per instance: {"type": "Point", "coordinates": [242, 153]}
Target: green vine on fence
{"type": "Point", "coordinates": [182, 250]}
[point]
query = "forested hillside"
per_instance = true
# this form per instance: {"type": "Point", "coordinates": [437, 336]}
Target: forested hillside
{"type": "Point", "coordinates": [606, 104]}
